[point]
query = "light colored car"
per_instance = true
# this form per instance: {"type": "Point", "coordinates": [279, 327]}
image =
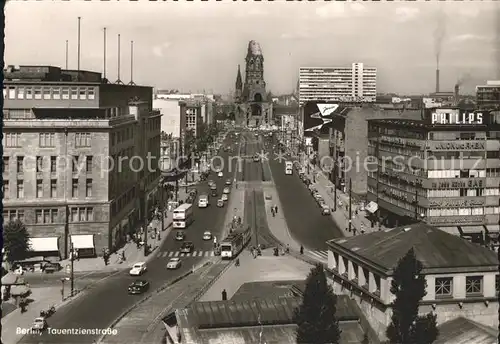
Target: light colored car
{"type": "Point", "coordinates": [228, 182]}
{"type": "Point", "coordinates": [220, 203]}
{"type": "Point", "coordinates": [226, 190]}
{"type": "Point", "coordinates": [138, 269]}
{"type": "Point", "coordinates": [211, 182]}
{"type": "Point", "coordinates": [318, 197]}
{"type": "Point", "coordinates": [321, 202]}
{"type": "Point", "coordinates": [325, 210]}
{"type": "Point", "coordinates": [224, 197]}
{"type": "Point", "coordinates": [207, 235]}
{"type": "Point", "coordinates": [174, 263]}
{"type": "Point", "coordinates": [220, 174]}
{"type": "Point", "coordinates": [39, 324]}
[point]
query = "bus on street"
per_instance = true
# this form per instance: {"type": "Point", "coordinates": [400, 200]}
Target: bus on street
{"type": "Point", "coordinates": [182, 216]}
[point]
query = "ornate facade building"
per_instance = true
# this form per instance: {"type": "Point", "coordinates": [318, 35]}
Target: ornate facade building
{"type": "Point", "coordinates": [253, 106]}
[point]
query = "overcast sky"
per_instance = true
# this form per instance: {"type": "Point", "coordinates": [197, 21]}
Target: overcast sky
{"type": "Point", "coordinates": [193, 46]}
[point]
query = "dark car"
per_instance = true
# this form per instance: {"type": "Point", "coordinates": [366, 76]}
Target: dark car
{"type": "Point", "coordinates": [214, 193]}
{"type": "Point", "coordinates": [193, 193]}
{"type": "Point", "coordinates": [180, 236]}
{"type": "Point", "coordinates": [187, 247]}
{"type": "Point", "coordinates": [138, 287]}
{"type": "Point", "coordinates": [190, 199]}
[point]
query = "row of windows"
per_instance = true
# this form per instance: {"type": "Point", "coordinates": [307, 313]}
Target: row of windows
{"type": "Point", "coordinates": [49, 92]}
{"type": "Point", "coordinates": [343, 269]}
{"type": "Point", "coordinates": [46, 216]}
{"type": "Point", "coordinates": [457, 173]}
{"type": "Point", "coordinates": [462, 192]}
{"type": "Point", "coordinates": [122, 201]}
{"type": "Point", "coordinates": [50, 165]}
{"type": "Point", "coordinates": [400, 202]}
{"type": "Point", "coordinates": [45, 140]}
{"type": "Point", "coordinates": [122, 135]}
{"type": "Point", "coordinates": [13, 215]}
{"type": "Point", "coordinates": [52, 191]}
{"type": "Point", "coordinates": [453, 135]}
{"type": "Point", "coordinates": [83, 214]}
{"type": "Point", "coordinates": [464, 211]}
{"type": "Point", "coordinates": [50, 216]}
{"type": "Point", "coordinates": [473, 286]}
{"type": "Point", "coordinates": [463, 155]}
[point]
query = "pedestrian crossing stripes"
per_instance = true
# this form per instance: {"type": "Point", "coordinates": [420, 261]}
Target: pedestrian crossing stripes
{"type": "Point", "coordinates": [172, 254]}
{"type": "Point", "coordinates": [318, 255]}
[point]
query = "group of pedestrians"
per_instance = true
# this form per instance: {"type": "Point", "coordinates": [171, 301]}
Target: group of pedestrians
{"type": "Point", "coordinates": [274, 210]}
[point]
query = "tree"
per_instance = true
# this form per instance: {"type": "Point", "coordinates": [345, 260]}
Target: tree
{"type": "Point", "coordinates": [316, 315]}
{"type": "Point", "coordinates": [15, 241]}
{"type": "Point", "coordinates": [409, 287]}
{"type": "Point", "coordinates": [189, 142]}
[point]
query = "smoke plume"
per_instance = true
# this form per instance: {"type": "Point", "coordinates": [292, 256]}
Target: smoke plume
{"type": "Point", "coordinates": [439, 34]}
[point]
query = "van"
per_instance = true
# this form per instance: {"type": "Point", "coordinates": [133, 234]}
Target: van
{"type": "Point", "coordinates": [203, 201]}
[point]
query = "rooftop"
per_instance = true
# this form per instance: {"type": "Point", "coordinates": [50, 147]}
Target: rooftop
{"type": "Point", "coordinates": [438, 251]}
{"type": "Point", "coordinates": [465, 331]}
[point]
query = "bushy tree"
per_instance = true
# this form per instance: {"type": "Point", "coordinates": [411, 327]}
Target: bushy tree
{"type": "Point", "coordinates": [15, 241]}
{"type": "Point", "coordinates": [409, 287]}
{"type": "Point", "coordinates": [315, 317]}
{"type": "Point", "coordinates": [189, 142]}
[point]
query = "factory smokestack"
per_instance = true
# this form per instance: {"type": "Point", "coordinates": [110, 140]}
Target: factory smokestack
{"type": "Point", "coordinates": [437, 80]}
{"type": "Point", "coordinates": [456, 93]}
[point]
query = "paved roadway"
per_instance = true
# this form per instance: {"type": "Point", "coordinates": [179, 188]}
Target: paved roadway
{"type": "Point", "coordinates": [107, 300]}
{"type": "Point", "coordinates": [302, 213]}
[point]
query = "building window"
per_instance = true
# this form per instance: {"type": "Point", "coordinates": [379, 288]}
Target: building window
{"type": "Point", "coordinates": [29, 93]}
{"type": "Point", "coordinates": [444, 287]}
{"type": "Point", "coordinates": [12, 92]}
{"type": "Point", "coordinates": [47, 139]}
{"type": "Point", "coordinates": [90, 214]}
{"type": "Point", "coordinates": [46, 93]}
{"type": "Point", "coordinates": [5, 189]}
{"type": "Point", "coordinates": [89, 163]}
{"type": "Point", "coordinates": [74, 92]}
{"type": "Point", "coordinates": [13, 215]}
{"type": "Point", "coordinates": [346, 266]}
{"type": "Point", "coordinates": [5, 166]}
{"type": "Point", "coordinates": [12, 139]}
{"type": "Point", "coordinates": [65, 93]}
{"type": "Point", "coordinates": [20, 93]}
{"type": "Point", "coordinates": [82, 140]}
{"type": "Point", "coordinates": [45, 216]}
{"type": "Point", "coordinates": [53, 164]}
{"type": "Point", "coordinates": [91, 93]}
{"type": "Point", "coordinates": [74, 188]}
{"type": "Point", "coordinates": [84, 214]}
{"type": "Point", "coordinates": [366, 276]}
{"type": "Point", "coordinates": [88, 188]}
{"type": "Point", "coordinates": [39, 164]}
{"type": "Point", "coordinates": [38, 93]}
{"type": "Point", "coordinates": [56, 93]}
{"type": "Point", "coordinates": [39, 216]}
{"type": "Point", "coordinates": [497, 283]}
{"type": "Point", "coordinates": [74, 163]}
{"type": "Point", "coordinates": [82, 93]}
{"type": "Point", "coordinates": [473, 285]}
{"type": "Point", "coordinates": [74, 215]}
{"type": "Point", "coordinates": [20, 164]}
{"type": "Point", "coordinates": [39, 188]}
{"type": "Point", "coordinates": [20, 189]}
{"type": "Point", "coordinates": [355, 272]}
{"type": "Point", "coordinates": [53, 188]}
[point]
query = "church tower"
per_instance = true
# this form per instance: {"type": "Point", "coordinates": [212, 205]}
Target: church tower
{"type": "Point", "coordinates": [239, 87]}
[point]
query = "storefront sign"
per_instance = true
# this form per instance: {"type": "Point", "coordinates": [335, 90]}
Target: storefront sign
{"type": "Point", "coordinates": [455, 117]}
{"type": "Point", "coordinates": [457, 146]}
{"type": "Point", "coordinates": [455, 220]}
{"type": "Point", "coordinates": [458, 183]}
{"type": "Point", "coordinates": [456, 203]}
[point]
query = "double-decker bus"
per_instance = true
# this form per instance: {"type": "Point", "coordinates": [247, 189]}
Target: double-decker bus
{"type": "Point", "coordinates": [182, 216]}
{"type": "Point", "coordinates": [288, 167]}
{"type": "Point", "coordinates": [234, 243]}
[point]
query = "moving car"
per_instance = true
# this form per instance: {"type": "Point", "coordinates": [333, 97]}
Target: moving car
{"type": "Point", "coordinates": [226, 190]}
{"type": "Point", "coordinates": [180, 236]}
{"type": "Point", "coordinates": [174, 263]}
{"type": "Point", "coordinates": [39, 324]}
{"type": "Point", "coordinates": [138, 287]}
{"type": "Point", "coordinates": [207, 235]}
{"type": "Point", "coordinates": [187, 247]}
{"type": "Point", "coordinates": [228, 182]}
{"type": "Point", "coordinates": [210, 183]}
{"type": "Point", "coordinates": [220, 203]}
{"type": "Point", "coordinates": [220, 174]}
{"type": "Point", "coordinates": [224, 197]}
{"type": "Point", "coordinates": [213, 187]}
{"type": "Point", "coordinates": [138, 269]}
{"type": "Point", "coordinates": [256, 158]}
{"type": "Point", "coordinates": [214, 193]}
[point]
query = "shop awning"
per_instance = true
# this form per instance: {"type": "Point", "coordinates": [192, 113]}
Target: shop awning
{"type": "Point", "coordinates": [44, 244]}
{"type": "Point", "coordinates": [472, 229]}
{"type": "Point", "coordinates": [493, 229]}
{"type": "Point", "coordinates": [371, 207]}
{"type": "Point", "coordinates": [82, 241]}
{"type": "Point", "coordinates": [450, 230]}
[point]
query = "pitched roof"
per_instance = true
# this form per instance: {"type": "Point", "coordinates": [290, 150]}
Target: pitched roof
{"type": "Point", "coordinates": [465, 331]}
{"type": "Point", "coordinates": [436, 249]}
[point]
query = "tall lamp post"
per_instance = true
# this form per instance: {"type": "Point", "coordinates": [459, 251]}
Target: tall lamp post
{"type": "Point", "coordinates": [350, 206]}
{"type": "Point", "coordinates": [146, 251]}
{"type": "Point", "coordinates": [72, 275]}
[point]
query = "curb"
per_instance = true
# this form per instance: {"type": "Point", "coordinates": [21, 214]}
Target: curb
{"type": "Point", "coordinates": [156, 291]}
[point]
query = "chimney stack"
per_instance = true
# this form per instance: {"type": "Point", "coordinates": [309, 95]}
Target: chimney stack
{"type": "Point", "coordinates": [456, 93]}
{"type": "Point", "coordinates": [437, 80]}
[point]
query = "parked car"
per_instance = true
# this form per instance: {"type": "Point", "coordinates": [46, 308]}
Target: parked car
{"type": "Point", "coordinates": [138, 287]}
{"type": "Point", "coordinates": [228, 182]}
{"type": "Point", "coordinates": [220, 203]}
{"type": "Point", "coordinates": [325, 210]}
{"type": "Point", "coordinates": [39, 324]}
{"type": "Point", "coordinates": [207, 235]}
{"type": "Point", "coordinates": [317, 196]}
{"type": "Point", "coordinates": [193, 193]}
{"type": "Point", "coordinates": [180, 236]}
{"type": "Point", "coordinates": [321, 202]}
{"type": "Point", "coordinates": [138, 269]}
{"type": "Point", "coordinates": [226, 190]}
{"type": "Point", "coordinates": [174, 263]}
{"type": "Point", "coordinates": [187, 247]}
{"type": "Point", "coordinates": [224, 197]}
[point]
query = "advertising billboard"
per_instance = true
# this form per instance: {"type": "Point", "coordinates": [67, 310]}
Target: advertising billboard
{"type": "Point", "coordinates": [319, 117]}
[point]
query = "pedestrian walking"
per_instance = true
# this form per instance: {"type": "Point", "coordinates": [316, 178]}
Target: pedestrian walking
{"type": "Point", "coordinates": [276, 209]}
{"type": "Point", "coordinates": [301, 249]}
{"type": "Point", "coordinates": [272, 211]}
{"type": "Point", "coordinates": [224, 295]}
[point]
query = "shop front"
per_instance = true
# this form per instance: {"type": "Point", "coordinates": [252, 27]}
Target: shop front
{"type": "Point", "coordinates": [84, 245]}
{"type": "Point", "coordinates": [44, 247]}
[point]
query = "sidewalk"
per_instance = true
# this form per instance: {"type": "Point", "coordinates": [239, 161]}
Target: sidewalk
{"type": "Point", "coordinates": [263, 268]}
{"type": "Point", "coordinates": [341, 215]}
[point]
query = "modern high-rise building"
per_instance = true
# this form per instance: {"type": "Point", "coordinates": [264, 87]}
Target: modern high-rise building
{"type": "Point", "coordinates": [443, 170]}
{"type": "Point", "coordinates": [488, 96]}
{"type": "Point", "coordinates": [73, 146]}
{"type": "Point", "coordinates": [353, 84]}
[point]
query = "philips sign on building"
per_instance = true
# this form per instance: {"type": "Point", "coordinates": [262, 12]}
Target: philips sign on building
{"type": "Point", "coordinates": [455, 116]}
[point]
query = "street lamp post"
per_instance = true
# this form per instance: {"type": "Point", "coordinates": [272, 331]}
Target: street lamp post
{"type": "Point", "coordinates": [72, 275]}
{"type": "Point", "coordinates": [146, 251]}
{"type": "Point", "coordinates": [350, 205]}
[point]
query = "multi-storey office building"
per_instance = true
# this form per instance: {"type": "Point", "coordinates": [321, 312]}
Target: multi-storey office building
{"type": "Point", "coordinates": [488, 96]}
{"type": "Point", "coordinates": [191, 119]}
{"type": "Point", "coordinates": [65, 133]}
{"type": "Point", "coordinates": [444, 170]}
{"type": "Point", "coordinates": [353, 84]}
